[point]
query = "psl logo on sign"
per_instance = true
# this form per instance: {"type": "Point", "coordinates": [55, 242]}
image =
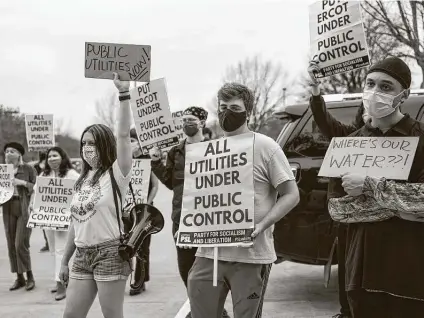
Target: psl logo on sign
{"type": "Point", "coordinates": [140, 181]}
{"type": "Point", "coordinates": [337, 36]}
{"type": "Point", "coordinates": [39, 132]}
{"type": "Point", "coordinates": [152, 116]}
{"type": "Point", "coordinates": [6, 185]}
{"type": "Point", "coordinates": [52, 202]}
{"type": "Point", "coordinates": [218, 201]}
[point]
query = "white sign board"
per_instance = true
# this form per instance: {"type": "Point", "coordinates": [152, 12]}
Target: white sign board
{"type": "Point", "coordinates": [140, 180]}
{"type": "Point", "coordinates": [39, 132]}
{"type": "Point", "coordinates": [6, 186]}
{"type": "Point", "coordinates": [388, 157]}
{"type": "Point", "coordinates": [218, 201]}
{"type": "Point", "coordinates": [337, 36]}
{"type": "Point", "coordinates": [131, 62]}
{"type": "Point", "coordinates": [178, 121]}
{"type": "Point", "coordinates": [152, 116]}
{"type": "Point", "coordinates": [52, 203]}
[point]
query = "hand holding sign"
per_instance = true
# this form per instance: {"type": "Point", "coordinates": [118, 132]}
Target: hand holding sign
{"type": "Point", "coordinates": [259, 228]}
{"type": "Point", "coordinates": [155, 154]}
{"type": "Point", "coordinates": [122, 86]}
{"type": "Point", "coordinates": [314, 69]}
{"type": "Point", "coordinates": [353, 183]}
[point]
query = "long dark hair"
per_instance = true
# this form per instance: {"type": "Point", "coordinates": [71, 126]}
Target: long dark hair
{"type": "Point", "coordinates": [65, 164]}
{"type": "Point", "coordinates": [105, 144]}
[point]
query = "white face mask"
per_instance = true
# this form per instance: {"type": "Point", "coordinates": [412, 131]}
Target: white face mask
{"type": "Point", "coordinates": [379, 105]}
{"type": "Point", "coordinates": [90, 155]}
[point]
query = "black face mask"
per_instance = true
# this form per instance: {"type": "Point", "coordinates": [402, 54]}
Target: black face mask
{"type": "Point", "coordinates": [230, 121]}
{"type": "Point", "coordinates": [190, 130]}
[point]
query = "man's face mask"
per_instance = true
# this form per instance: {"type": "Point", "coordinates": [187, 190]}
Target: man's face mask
{"type": "Point", "coordinates": [230, 120]}
{"type": "Point", "coordinates": [90, 155]}
{"type": "Point", "coordinates": [190, 129]}
{"type": "Point", "coordinates": [379, 105]}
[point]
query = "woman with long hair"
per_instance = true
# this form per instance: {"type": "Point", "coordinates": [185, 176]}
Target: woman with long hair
{"type": "Point", "coordinates": [95, 229]}
{"type": "Point", "coordinates": [58, 165]}
{"type": "Point", "coordinates": [15, 216]}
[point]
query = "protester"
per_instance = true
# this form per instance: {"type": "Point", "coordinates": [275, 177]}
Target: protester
{"type": "Point", "coordinates": [15, 216]}
{"type": "Point", "coordinates": [384, 258]}
{"type": "Point", "coordinates": [143, 265]}
{"type": "Point", "coordinates": [245, 271]}
{"type": "Point", "coordinates": [58, 165]}
{"type": "Point", "coordinates": [172, 176]}
{"type": "Point", "coordinates": [207, 133]}
{"type": "Point", "coordinates": [39, 167]}
{"type": "Point", "coordinates": [95, 230]}
{"type": "Point", "coordinates": [331, 127]}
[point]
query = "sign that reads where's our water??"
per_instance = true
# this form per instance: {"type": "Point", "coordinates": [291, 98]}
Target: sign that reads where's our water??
{"type": "Point", "coordinates": [388, 157]}
{"type": "Point", "coordinates": [337, 36]}
{"type": "Point", "coordinates": [39, 132]}
{"type": "Point", "coordinates": [218, 201]}
{"type": "Point", "coordinates": [152, 116]}
{"type": "Point", "coordinates": [131, 62]}
{"type": "Point", "coordinates": [52, 203]}
{"type": "Point", "coordinates": [6, 185]}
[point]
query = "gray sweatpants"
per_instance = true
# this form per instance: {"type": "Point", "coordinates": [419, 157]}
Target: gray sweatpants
{"type": "Point", "coordinates": [247, 283]}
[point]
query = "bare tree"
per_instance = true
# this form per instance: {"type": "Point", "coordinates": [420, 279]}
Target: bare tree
{"type": "Point", "coordinates": [266, 79]}
{"type": "Point", "coordinates": [401, 22]}
{"type": "Point", "coordinates": [106, 110]}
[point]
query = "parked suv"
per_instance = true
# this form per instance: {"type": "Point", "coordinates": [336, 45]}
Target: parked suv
{"type": "Point", "coordinates": [307, 234]}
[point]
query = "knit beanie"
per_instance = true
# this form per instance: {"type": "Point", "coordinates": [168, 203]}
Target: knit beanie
{"type": "Point", "coordinates": [394, 67]}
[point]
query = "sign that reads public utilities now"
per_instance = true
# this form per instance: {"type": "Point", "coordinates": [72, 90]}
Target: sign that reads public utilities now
{"type": "Point", "coordinates": [218, 201]}
{"type": "Point", "coordinates": [39, 132]}
{"type": "Point", "coordinates": [6, 185]}
{"type": "Point", "coordinates": [337, 36]}
{"type": "Point", "coordinates": [153, 120]}
{"type": "Point", "coordinates": [52, 201]}
{"type": "Point", "coordinates": [131, 62]}
{"type": "Point", "coordinates": [388, 157]}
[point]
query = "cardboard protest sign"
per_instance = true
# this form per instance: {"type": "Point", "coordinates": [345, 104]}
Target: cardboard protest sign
{"type": "Point", "coordinates": [218, 201]}
{"type": "Point", "coordinates": [39, 132]}
{"type": "Point", "coordinates": [178, 121]}
{"type": "Point", "coordinates": [6, 185]}
{"type": "Point", "coordinates": [52, 202]}
{"type": "Point", "coordinates": [152, 116]}
{"type": "Point", "coordinates": [337, 36]}
{"type": "Point", "coordinates": [140, 180]}
{"type": "Point", "coordinates": [388, 157]}
{"type": "Point", "coordinates": [131, 62]}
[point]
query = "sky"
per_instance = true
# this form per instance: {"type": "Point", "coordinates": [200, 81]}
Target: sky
{"type": "Point", "coordinates": [193, 43]}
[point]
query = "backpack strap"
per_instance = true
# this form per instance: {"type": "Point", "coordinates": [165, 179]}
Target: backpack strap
{"type": "Point", "coordinates": [118, 207]}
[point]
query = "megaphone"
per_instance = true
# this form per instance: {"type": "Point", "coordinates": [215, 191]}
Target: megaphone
{"type": "Point", "coordinates": [145, 220]}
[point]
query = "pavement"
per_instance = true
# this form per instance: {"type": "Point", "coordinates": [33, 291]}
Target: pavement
{"type": "Point", "coordinates": [294, 290]}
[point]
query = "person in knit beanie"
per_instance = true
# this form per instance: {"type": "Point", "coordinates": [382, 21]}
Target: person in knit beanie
{"type": "Point", "coordinates": [384, 259]}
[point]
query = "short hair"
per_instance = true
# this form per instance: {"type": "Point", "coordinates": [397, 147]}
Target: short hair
{"type": "Point", "coordinates": [230, 91]}
{"type": "Point", "coordinates": [105, 144]}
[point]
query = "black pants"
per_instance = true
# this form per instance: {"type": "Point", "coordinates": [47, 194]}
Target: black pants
{"type": "Point", "coordinates": [142, 266]}
{"type": "Point", "coordinates": [366, 304]}
{"type": "Point", "coordinates": [341, 257]}
{"type": "Point", "coordinates": [185, 256]}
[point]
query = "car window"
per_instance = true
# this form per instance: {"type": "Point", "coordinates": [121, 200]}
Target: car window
{"type": "Point", "coordinates": [310, 141]}
{"type": "Point", "coordinates": [272, 127]}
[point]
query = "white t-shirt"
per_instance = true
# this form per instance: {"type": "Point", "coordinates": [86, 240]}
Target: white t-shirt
{"type": "Point", "coordinates": [71, 174]}
{"type": "Point", "coordinates": [93, 209]}
{"type": "Point", "coordinates": [270, 169]}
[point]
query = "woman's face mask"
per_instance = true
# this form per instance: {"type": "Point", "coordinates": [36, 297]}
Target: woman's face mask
{"type": "Point", "coordinates": [379, 105]}
{"type": "Point", "coordinates": [90, 155]}
{"type": "Point", "coordinates": [54, 160]}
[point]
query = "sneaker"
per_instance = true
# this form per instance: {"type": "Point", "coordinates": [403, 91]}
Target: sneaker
{"type": "Point", "coordinates": [44, 249]}
{"type": "Point", "coordinates": [138, 291]}
{"type": "Point", "coordinates": [61, 292]}
{"type": "Point", "coordinates": [19, 283]}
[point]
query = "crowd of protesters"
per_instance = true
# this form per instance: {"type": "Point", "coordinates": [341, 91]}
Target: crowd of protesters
{"type": "Point", "coordinates": [380, 258]}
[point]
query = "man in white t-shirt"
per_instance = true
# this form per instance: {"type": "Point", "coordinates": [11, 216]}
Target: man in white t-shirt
{"type": "Point", "coordinates": [243, 270]}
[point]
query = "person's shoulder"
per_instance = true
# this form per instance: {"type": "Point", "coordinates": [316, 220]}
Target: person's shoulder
{"type": "Point", "coordinates": [265, 142]}
{"type": "Point", "coordinates": [417, 128]}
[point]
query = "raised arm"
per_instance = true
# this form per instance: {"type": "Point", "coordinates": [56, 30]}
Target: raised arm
{"type": "Point", "coordinates": [154, 189]}
{"type": "Point", "coordinates": [326, 123]}
{"type": "Point", "coordinates": [123, 141]}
